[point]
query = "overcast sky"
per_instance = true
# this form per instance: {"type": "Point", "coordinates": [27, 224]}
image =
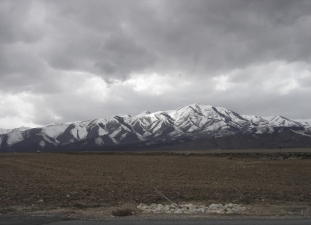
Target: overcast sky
{"type": "Point", "coordinates": [66, 60]}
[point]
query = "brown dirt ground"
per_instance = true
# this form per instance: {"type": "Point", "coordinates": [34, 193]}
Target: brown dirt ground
{"type": "Point", "coordinates": [91, 185]}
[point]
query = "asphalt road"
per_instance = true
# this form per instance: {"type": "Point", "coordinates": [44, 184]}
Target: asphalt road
{"type": "Point", "coordinates": [14, 220]}
{"type": "Point", "coordinates": [189, 222]}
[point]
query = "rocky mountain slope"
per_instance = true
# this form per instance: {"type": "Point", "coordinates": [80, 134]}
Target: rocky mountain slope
{"type": "Point", "coordinates": [194, 124]}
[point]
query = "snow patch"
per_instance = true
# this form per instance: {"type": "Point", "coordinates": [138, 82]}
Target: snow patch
{"type": "Point", "coordinates": [123, 136]}
{"type": "Point", "coordinates": [114, 133]}
{"type": "Point", "coordinates": [46, 139]}
{"type": "Point", "coordinates": [54, 131]}
{"type": "Point", "coordinates": [79, 131]}
{"type": "Point", "coordinates": [114, 140]}
{"type": "Point", "coordinates": [99, 141]}
{"type": "Point", "coordinates": [101, 131]}
{"type": "Point", "coordinates": [301, 133]}
{"type": "Point", "coordinates": [14, 137]}
{"type": "Point", "coordinates": [42, 143]}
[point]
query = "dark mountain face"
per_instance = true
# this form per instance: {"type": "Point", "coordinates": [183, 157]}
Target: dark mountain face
{"type": "Point", "coordinates": [193, 127]}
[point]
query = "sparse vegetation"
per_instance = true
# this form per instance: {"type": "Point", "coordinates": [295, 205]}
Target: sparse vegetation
{"type": "Point", "coordinates": [122, 212]}
{"type": "Point", "coordinates": [89, 180]}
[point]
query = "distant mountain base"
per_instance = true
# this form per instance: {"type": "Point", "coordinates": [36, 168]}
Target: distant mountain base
{"type": "Point", "coordinates": [288, 138]}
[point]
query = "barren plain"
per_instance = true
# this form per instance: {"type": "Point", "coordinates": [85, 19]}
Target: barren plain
{"type": "Point", "coordinates": [266, 183]}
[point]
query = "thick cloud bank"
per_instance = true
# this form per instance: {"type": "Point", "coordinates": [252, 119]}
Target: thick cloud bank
{"type": "Point", "coordinates": [77, 60]}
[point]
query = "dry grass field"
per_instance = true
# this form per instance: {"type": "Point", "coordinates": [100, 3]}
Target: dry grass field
{"type": "Point", "coordinates": [91, 180]}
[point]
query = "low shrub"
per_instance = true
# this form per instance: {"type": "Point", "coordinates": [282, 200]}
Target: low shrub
{"type": "Point", "coordinates": [122, 212]}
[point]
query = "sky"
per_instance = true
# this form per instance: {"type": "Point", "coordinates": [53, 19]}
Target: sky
{"type": "Point", "coordinates": [76, 60]}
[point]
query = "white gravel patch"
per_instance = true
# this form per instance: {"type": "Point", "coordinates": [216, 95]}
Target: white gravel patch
{"type": "Point", "coordinates": [192, 209]}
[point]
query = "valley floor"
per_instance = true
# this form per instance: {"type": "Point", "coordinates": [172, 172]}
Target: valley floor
{"type": "Point", "coordinates": [91, 185]}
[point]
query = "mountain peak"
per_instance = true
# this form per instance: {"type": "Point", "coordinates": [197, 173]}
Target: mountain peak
{"type": "Point", "coordinates": [196, 105]}
{"type": "Point", "coordinates": [144, 113]}
{"type": "Point", "coordinates": [278, 117]}
{"type": "Point", "coordinates": [21, 128]}
{"type": "Point", "coordinates": [279, 120]}
{"type": "Point", "coordinates": [55, 124]}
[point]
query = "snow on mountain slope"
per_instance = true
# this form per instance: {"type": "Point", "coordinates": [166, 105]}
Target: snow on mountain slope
{"type": "Point", "coordinates": [206, 118]}
{"type": "Point", "coordinates": [150, 124]}
{"type": "Point", "coordinates": [280, 121]}
{"type": "Point", "coordinates": [79, 131]}
{"type": "Point", "coordinates": [5, 131]}
{"type": "Point", "coordinates": [256, 120]}
{"type": "Point", "coordinates": [14, 137]}
{"type": "Point", "coordinates": [21, 129]}
{"type": "Point", "coordinates": [305, 122]}
{"type": "Point", "coordinates": [54, 130]}
{"type": "Point", "coordinates": [191, 122]}
{"type": "Point", "coordinates": [190, 118]}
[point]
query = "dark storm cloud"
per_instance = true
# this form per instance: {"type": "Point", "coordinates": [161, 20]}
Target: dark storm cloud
{"type": "Point", "coordinates": [116, 38]}
{"type": "Point", "coordinates": [198, 37]}
{"type": "Point", "coordinates": [94, 38]}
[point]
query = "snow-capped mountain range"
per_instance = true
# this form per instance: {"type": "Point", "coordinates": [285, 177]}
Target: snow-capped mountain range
{"type": "Point", "coordinates": [186, 124]}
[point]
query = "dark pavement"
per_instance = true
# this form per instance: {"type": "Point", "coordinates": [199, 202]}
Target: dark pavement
{"type": "Point", "coordinates": [36, 220]}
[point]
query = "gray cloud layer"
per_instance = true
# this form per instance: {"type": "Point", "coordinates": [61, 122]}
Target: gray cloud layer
{"type": "Point", "coordinates": [249, 56]}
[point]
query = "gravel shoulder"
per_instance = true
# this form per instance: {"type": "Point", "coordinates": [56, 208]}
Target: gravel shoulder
{"type": "Point", "coordinates": [258, 211]}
